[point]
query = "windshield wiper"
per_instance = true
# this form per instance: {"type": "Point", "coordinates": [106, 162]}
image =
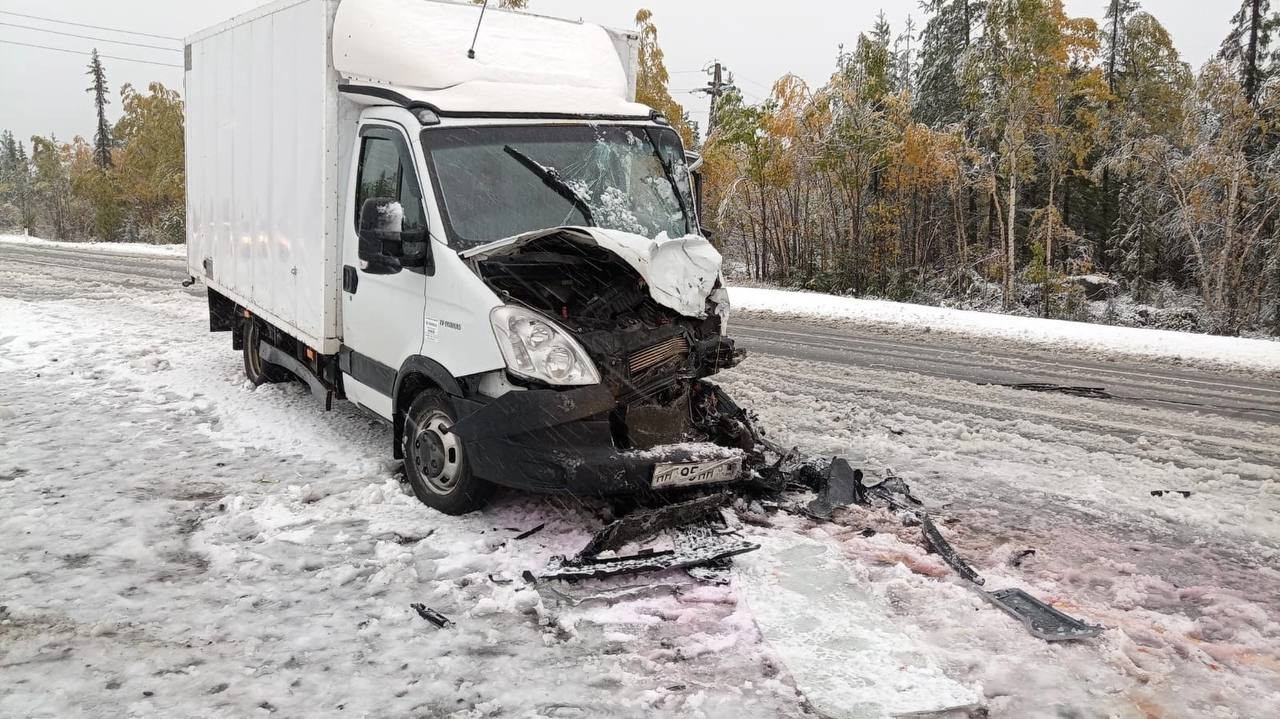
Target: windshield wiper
{"type": "Point", "coordinates": [552, 179]}
{"type": "Point", "coordinates": [669, 171]}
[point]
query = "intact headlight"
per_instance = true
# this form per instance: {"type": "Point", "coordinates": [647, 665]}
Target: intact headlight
{"type": "Point", "coordinates": [537, 348]}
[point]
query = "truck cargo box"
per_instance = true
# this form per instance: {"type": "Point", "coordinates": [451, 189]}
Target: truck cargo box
{"type": "Point", "coordinates": [265, 165]}
{"type": "Point", "coordinates": [270, 130]}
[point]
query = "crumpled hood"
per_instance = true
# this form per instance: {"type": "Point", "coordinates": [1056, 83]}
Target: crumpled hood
{"type": "Point", "coordinates": [679, 271]}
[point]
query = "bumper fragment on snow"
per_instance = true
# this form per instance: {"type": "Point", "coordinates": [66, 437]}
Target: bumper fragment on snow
{"type": "Point", "coordinates": [696, 537]}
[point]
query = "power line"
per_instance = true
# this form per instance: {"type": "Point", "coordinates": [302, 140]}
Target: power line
{"type": "Point", "coordinates": [90, 37]}
{"type": "Point", "coordinates": [95, 27]}
{"type": "Point", "coordinates": [81, 52]}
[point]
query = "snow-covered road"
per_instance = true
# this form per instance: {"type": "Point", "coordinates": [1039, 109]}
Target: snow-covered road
{"type": "Point", "coordinates": [178, 543]}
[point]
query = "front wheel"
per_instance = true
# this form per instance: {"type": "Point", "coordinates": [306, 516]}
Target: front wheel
{"type": "Point", "coordinates": [435, 460]}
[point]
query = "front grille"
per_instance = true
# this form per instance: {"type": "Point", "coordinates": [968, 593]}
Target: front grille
{"type": "Point", "coordinates": [657, 354]}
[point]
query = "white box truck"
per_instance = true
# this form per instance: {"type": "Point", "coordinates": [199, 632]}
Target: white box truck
{"type": "Point", "coordinates": [460, 221]}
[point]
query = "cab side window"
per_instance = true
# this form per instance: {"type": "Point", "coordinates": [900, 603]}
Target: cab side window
{"type": "Point", "coordinates": [386, 170]}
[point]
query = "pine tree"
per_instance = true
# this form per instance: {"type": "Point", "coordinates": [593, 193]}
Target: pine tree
{"type": "Point", "coordinates": [102, 136]}
{"type": "Point", "coordinates": [1248, 45]}
{"type": "Point", "coordinates": [949, 33]}
{"type": "Point", "coordinates": [904, 57]}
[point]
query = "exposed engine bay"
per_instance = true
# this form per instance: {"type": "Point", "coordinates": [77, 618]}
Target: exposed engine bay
{"type": "Point", "coordinates": [649, 355]}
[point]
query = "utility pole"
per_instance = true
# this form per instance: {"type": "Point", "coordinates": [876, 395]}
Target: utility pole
{"type": "Point", "coordinates": [716, 87]}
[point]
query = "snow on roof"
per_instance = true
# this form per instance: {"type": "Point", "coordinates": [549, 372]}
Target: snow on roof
{"type": "Point", "coordinates": [521, 60]}
{"type": "Point", "coordinates": [505, 97]}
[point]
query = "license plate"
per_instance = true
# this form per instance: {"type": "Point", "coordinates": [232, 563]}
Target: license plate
{"type": "Point", "coordinates": [689, 473]}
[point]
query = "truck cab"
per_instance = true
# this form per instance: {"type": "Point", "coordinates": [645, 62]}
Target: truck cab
{"type": "Point", "coordinates": [511, 271]}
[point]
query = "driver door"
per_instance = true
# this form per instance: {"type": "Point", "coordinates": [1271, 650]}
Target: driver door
{"type": "Point", "coordinates": [381, 313]}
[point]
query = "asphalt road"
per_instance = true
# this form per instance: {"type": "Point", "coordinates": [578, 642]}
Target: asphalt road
{"type": "Point", "coordinates": [1124, 381]}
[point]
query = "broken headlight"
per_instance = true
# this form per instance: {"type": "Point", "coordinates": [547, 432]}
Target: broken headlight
{"type": "Point", "coordinates": [536, 348]}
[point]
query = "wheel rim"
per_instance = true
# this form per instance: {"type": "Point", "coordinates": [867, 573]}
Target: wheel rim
{"type": "Point", "coordinates": [437, 453]}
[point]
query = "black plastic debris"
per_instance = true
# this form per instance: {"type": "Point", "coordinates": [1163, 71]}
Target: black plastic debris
{"type": "Point", "coordinates": [531, 532]}
{"type": "Point", "coordinates": [841, 487]}
{"type": "Point", "coordinates": [937, 544]}
{"type": "Point", "coordinates": [699, 536]}
{"type": "Point", "coordinates": [1020, 556]}
{"type": "Point", "coordinates": [693, 536]}
{"type": "Point", "coordinates": [592, 567]}
{"type": "Point", "coordinates": [1162, 492]}
{"type": "Point", "coordinates": [640, 525]}
{"type": "Point", "coordinates": [1090, 392]}
{"type": "Point", "coordinates": [432, 615]}
{"type": "Point", "coordinates": [1040, 619]}
{"type": "Point", "coordinates": [718, 572]}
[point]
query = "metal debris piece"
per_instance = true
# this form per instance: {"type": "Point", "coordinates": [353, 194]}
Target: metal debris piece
{"type": "Point", "coordinates": [639, 525]}
{"type": "Point", "coordinates": [1042, 620]}
{"type": "Point", "coordinates": [1161, 492]}
{"type": "Point", "coordinates": [498, 579]}
{"type": "Point", "coordinates": [691, 555]}
{"type": "Point", "coordinates": [1090, 392]}
{"type": "Point", "coordinates": [531, 532]}
{"type": "Point", "coordinates": [842, 487]}
{"type": "Point", "coordinates": [432, 615]}
{"type": "Point", "coordinates": [934, 540]}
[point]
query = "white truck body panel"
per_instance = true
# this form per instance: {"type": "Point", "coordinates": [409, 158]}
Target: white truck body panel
{"type": "Point", "coordinates": [265, 153]}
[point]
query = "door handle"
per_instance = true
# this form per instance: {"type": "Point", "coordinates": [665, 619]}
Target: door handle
{"type": "Point", "coordinates": [350, 280]}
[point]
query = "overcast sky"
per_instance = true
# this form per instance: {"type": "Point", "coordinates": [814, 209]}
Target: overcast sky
{"type": "Point", "coordinates": [42, 91]}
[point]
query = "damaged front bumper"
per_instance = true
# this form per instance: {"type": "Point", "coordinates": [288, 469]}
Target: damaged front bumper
{"type": "Point", "coordinates": [563, 442]}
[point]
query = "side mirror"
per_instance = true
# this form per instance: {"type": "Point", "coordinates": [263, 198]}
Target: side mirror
{"type": "Point", "coordinates": [381, 240]}
{"type": "Point", "coordinates": [385, 246]}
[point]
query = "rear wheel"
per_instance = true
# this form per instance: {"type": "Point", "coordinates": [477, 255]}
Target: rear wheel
{"type": "Point", "coordinates": [258, 370]}
{"type": "Point", "coordinates": [435, 460]}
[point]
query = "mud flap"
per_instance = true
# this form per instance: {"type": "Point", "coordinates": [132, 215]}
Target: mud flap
{"type": "Point", "coordinates": [1040, 619]}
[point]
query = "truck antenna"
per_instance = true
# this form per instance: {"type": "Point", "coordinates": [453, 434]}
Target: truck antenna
{"type": "Point", "coordinates": [471, 52]}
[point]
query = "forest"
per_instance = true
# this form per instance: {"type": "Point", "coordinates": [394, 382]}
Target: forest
{"type": "Point", "coordinates": [998, 155]}
{"type": "Point", "coordinates": [1010, 157]}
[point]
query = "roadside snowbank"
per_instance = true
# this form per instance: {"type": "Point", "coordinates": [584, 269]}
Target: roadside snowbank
{"type": "Point", "coordinates": [124, 248]}
{"type": "Point", "coordinates": [1250, 354]}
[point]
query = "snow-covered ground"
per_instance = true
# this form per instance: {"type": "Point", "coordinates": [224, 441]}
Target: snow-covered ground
{"type": "Point", "coordinates": [130, 248]}
{"type": "Point", "coordinates": [1232, 352]}
{"type": "Point", "coordinates": [178, 543]}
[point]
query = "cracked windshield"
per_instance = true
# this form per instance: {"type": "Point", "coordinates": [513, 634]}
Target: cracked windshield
{"type": "Point", "coordinates": [496, 182]}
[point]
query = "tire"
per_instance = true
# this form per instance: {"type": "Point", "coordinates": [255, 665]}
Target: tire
{"type": "Point", "coordinates": [435, 460]}
{"type": "Point", "coordinates": [259, 371]}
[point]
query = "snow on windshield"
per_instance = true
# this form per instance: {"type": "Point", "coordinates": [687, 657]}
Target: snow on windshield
{"type": "Point", "coordinates": [497, 182]}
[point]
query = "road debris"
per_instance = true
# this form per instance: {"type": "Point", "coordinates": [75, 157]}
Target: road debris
{"type": "Point", "coordinates": [841, 487]}
{"type": "Point", "coordinates": [432, 615]}
{"type": "Point", "coordinates": [641, 525]}
{"type": "Point", "coordinates": [1020, 556]}
{"type": "Point", "coordinates": [579, 568]}
{"type": "Point", "coordinates": [938, 544]}
{"type": "Point", "coordinates": [1042, 620]}
{"type": "Point", "coordinates": [531, 532]}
